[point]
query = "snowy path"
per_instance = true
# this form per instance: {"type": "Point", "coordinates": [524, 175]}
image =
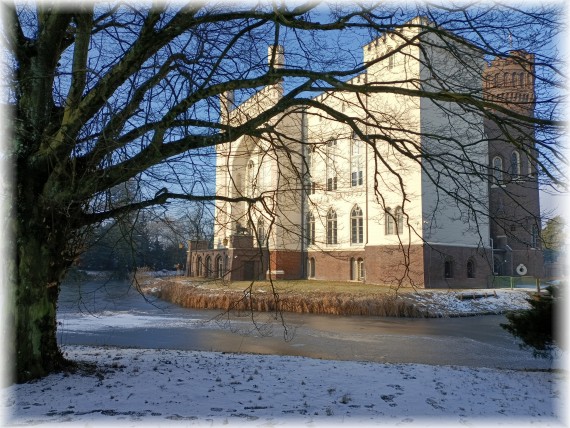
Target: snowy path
{"type": "Point", "coordinates": [134, 387]}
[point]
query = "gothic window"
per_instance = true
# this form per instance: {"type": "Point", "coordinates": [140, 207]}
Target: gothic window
{"type": "Point", "coordinates": [389, 222]}
{"type": "Point", "coordinates": [356, 226]}
{"type": "Point", "coordinates": [199, 270]}
{"type": "Point", "coordinates": [331, 227]}
{"type": "Point", "coordinates": [310, 229]}
{"type": "Point", "coordinates": [470, 268]}
{"type": "Point", "coordinates": [529, 165]}
{"type": "Point", "coordinates": [515, 164]}
{"type": "Point", "coordinates": [208, 272]}
{"type": "Point", "coordinates": [356, 162]}
{"type": "Point", "coordinates": [399, 218]}
{"type": "Point", "coordinates": [498, 170]}
{"type": "Point", "coordinates": [448, 268]}
{"type": "Point", "coordinates": [331, 166]}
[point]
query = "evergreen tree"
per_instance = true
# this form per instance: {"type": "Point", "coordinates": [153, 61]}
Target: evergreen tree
{"type": "Point", "coordinates": [536, 326]}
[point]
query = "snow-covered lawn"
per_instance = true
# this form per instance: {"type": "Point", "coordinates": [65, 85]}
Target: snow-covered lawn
{"type": "Point", "coordinates": [134, 387]}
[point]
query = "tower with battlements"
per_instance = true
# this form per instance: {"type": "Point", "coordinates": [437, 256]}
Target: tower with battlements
{"type": "Point", "coordinates": [514, 206]}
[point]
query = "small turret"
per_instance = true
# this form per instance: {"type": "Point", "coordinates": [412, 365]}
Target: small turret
{"type": "Point", "coordinates": [275, 56]}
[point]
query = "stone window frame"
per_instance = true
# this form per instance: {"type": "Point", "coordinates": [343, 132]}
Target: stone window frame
{"type": "Point", "coordinates": [332, 227]}
{"type": "Point", "coordinates": [356, 225]}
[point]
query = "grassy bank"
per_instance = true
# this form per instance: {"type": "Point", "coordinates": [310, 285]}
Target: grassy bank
{"type": "Point", "coordinates": [316, 297]}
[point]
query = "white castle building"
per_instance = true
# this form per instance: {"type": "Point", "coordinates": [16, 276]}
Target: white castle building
{"type": "Point", "coordinates": [402, 208]}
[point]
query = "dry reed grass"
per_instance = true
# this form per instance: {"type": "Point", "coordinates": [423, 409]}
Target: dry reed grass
{"type": "Point", "coordinates": [198, 296]}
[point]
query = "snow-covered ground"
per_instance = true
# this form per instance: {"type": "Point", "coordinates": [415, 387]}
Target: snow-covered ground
{"type": "Point", "coordinates": [141, 387]}
{"type": "Point", "coordinates": [470, 302]}
{"type": "Point", "coordinates": [134, 387]}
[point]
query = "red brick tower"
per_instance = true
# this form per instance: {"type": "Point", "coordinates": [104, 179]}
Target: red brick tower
{"type": "Point", "coordinates": [514, 195]}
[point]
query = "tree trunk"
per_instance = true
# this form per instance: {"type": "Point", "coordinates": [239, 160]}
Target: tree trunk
{"type": "Point", "coordinates": [37, 353]}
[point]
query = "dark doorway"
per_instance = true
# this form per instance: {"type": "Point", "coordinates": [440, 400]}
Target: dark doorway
{"type": "Point", "coordinates": [248, 271]}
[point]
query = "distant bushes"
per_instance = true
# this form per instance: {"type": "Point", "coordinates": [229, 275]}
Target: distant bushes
{"type": "Point", "coordinates": [330, 303]}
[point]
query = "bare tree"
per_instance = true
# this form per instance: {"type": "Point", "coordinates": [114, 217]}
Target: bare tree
{"type": "Point", "coordinates": [106, 93]}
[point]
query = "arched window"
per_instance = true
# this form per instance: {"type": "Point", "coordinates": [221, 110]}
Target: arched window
{"type": "Point", "coordinates": [448, 268]}
{"type": "Point", "coordinates": [515, 164]}
{"type": "Point", "coordinates": [199, 268]}
{"type": "Point", "coordinates": [388, 222]}
{"type": "Point", "coordinates": [356, 226]}
{"type": "Point", "coordinates": [506, 79]}
{"type": "Point", "coordinates": [310, 229]}
{"type": "Point", "coordinates": [331, 227]}
{"type": "Point", "coordinates": [219, 267]}
{"type": "Point", "coordinates": [331, 165]}
{"type": "Point", "coordinates": [470, 268]}
{"type": "Point", "coordinates": [353, 269]}
{"type": "Point", "coordinates": [521, 79]}
{"type": "Point", "coordinates": [356, 161]}
{"type": "Point", "coordinates": [399, 217]}
{"type": "Point", "coordinates": [311, 267]}
{"type": "Point", "coordinates": [497, 79]}
{"type": "Point", "coordinates": [360, 269]}
{"type": "Point", "coordinates": [261, 231]}
{"type": "Point", "coordinates": [529, 166]}
{"type": "Point", "coordinates": [208, 272]}
{"type": "Point", "coordinates": [498, 169]}
{"type": "Point", "coordinates": [514, 79]}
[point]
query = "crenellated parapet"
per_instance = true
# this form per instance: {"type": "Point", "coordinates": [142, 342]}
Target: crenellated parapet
{"type": "Point", "coordinates": [510, 80]}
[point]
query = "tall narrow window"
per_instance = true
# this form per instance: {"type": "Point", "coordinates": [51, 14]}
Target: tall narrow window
{"type": "Point", "coordinates": [448, 268]}
{"type": "Point", "coordinates": [389, 222]}
{"type": "Point", "coordinates": [331, 166]}
{"type": "Point", "coordinates": [529, 166]}
{"type": "Point", "coordinates": [199, 270]}
{"type": "Point", "coordinates": [360, 269]}
{"type": "Point", "coordinates": [331, 227]}
{"type": "Point", "coordinates": [356, 162]}
{"type": "Point", "coordinates": [470, 268]}
{"type": "Point", "coordinates": [498, 170]}
{"type": "Point", "coordinates": [515, 164]}
{"type": "Point", "coordinates": [356, 226]}
{"type": "Point", "coordinates": [390, 59]}
{"type": "Point", "coordinates": [534, 236]}
{"type": "Point", "coordinates": [311, 267]}
{"type": "Point", "coordinates": [310, 229]}
{"type": "Point", "coordinates": [219, 267]}
{"type": "Point", "coordinates": [399, 218]}
{"type": "Point", "coordinates": [208, 272]}
{"type": "Point", "coordinates": [261, 231]}
{"type": "Point", "coordinates": [249, 179]}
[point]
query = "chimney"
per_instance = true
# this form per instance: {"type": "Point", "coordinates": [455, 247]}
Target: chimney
{"type": "Point", "coordinates": [279, 60]}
